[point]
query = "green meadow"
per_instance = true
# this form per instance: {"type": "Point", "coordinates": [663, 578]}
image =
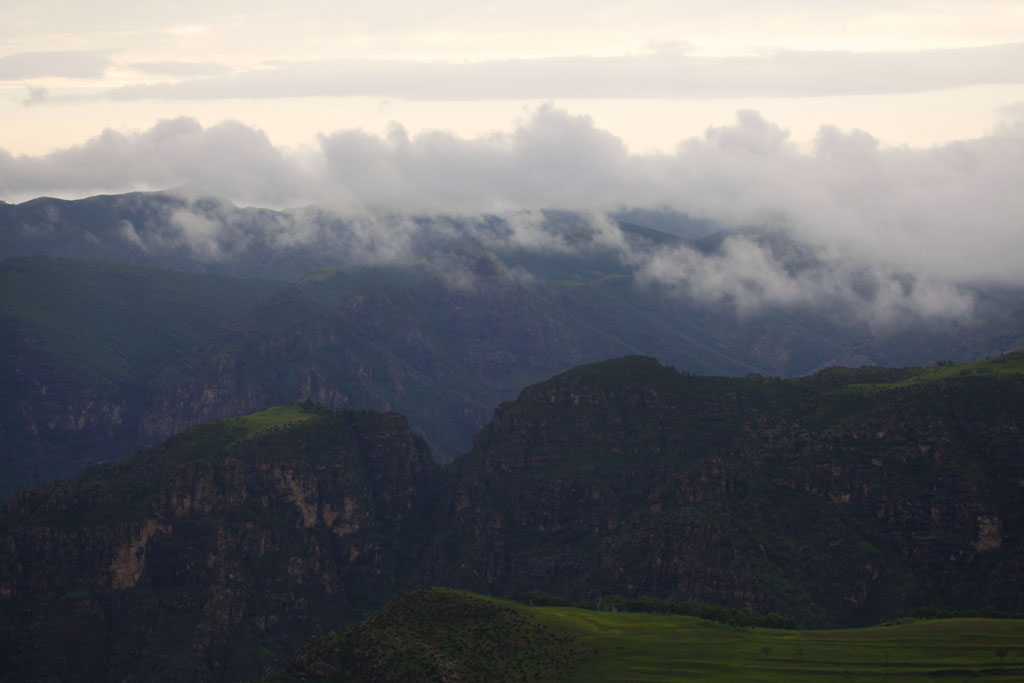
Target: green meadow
{"type": "Point", "coordinates": [444, 634]}
{"type": "Point", "coordinates": [278, 416]}
{"type": "Point", "coordinates": [1007, 365]}
{"type": "Point", "coordinates": [651, 647]}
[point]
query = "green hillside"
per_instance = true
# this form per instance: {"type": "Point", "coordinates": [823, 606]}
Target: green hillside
{"type": "Point", "coordinates": [1010, 364]}
{"type": "Point", "coordinates": [651, 647]}
{"type": "Point", "coordinates": [276, 417]}
{"type": "Point", "coordinates": [442, 634]}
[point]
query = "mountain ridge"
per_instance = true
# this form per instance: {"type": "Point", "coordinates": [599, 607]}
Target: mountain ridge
{"type": "Point", "coordinates": [845, 498]}
{"type": "Point", "coordinates": [147, 352]}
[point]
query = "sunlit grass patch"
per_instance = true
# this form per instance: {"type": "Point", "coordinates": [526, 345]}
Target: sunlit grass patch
{"type": "Point", "coordinates": [278, 416]}
{"type": "Point", "coordinates": [652, 647]}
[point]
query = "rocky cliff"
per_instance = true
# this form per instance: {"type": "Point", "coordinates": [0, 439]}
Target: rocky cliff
{"type": "Point", "coordinates": [216, 554]}
{"type": "Point", "coordinates": [842, 498]}
{"type": "Point", "coordinates": [839, 499]}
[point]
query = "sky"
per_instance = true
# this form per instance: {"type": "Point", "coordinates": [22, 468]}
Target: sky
{"type": "Point", "coordinates": [887, 131]}
{"type": "Point", "coordinates": [653, 72]}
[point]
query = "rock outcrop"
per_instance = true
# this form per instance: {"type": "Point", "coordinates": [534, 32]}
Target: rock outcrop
{"type": "Point", "coordinates": [843, 498]}
{"type": "Point", "coordinates": [214, 555]}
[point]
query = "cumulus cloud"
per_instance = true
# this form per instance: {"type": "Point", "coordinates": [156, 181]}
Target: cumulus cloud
{"type": "Point", "coordinates": [894, 228]}
{"type": "Point", "coordinates": [68, 64]}
{"type": "Point", "coordinates": [228, 159]}
{"type": "Point", "coordinates": [668, 73]}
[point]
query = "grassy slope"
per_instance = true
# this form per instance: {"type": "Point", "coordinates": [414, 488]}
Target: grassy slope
{"type": "Point", "coordinates": [278, 416]}
{"type": "Point", "coordinates": [650, 647]}
{"type": "Point", "coordinates": [1009, 364]}
{"type": "Point", "coordinates": [442, 634]}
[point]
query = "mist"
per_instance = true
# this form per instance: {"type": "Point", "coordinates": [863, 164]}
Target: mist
{"type": "Point", "coordinates": [890, 229]}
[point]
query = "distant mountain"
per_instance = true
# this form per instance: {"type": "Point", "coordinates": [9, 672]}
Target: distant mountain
{"type": "Point", "coordinates": [443, 356]}
{"type": "Point", "coordinates": [79, 341]}
{"type": "Point", "coordinates": [440, 318]}
{"type": "Point", "coordinates": [162, 230]}
{"type": "Point", "coordinates": [838, 499]}
{"type": "Point", "coordinates": [210, 235]}
{"type": "Point", "coordinates": [101, 359]}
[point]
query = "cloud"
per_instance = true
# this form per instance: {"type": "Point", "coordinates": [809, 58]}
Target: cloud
{"type": "Point", "coordinates": [179, 69]}
{"type": "Point", "coordinates": [947, 214]}
{"type": "Point", "coordinates": [36, 96]}
{"type": "Point", "coordinates": [227, 159]}
{"type": "Point", "coordinates": [1013, 112]}
{"type": "Point", "coordinates": [664, 73]}
{"type": "Point", "coordinates": [70, 64]}
{"type": "Point", "coordinates": [552, 160]}
{"type": "Point", "coordinates": [749, 276]}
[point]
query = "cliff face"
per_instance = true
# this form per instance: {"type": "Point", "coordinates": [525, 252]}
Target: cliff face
{"type": "Point", "coordinates": [214, 555]}
{"type": "Point", "coordinates": [838, 499]}
{"type": "Point", "coordinates": [843, 504]}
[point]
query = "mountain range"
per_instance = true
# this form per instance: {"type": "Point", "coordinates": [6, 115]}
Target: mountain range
{"type": "Point", "coordinates": [226, 430]}
{"type": "Point", "coordinates": [839, 499]}
{"type": "Point", "coordinates": [198, 310]}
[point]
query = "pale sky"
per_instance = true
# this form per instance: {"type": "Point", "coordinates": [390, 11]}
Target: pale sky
{"type": "Point", "coordinates": [651, 72]}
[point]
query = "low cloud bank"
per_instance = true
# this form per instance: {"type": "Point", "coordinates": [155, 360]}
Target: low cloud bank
{"type": "Point", "coordinates": [897, 227]}
{"type": "Point", "coordinates": [749, 275]}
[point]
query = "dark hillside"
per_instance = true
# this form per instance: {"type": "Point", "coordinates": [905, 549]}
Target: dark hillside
{"type": "Point", "coordinates": [845, 498]}
{"type": "Point", "coordinates": [839, 499]}
{"type": "Point", "coordinates": [216, 554]}
{"type": "Point", "coordinates": [79, 340]}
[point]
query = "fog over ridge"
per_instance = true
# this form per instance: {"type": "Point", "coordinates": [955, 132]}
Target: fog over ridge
{"type": "Point", "coordinates": [898, 228]}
